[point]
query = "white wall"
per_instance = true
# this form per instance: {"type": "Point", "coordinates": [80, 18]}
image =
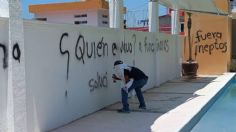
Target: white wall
{"type": "Point", "coordinates": [53, 100]}
{"type": "Point", "coordinates": [3, 72]}
{"type": "Point", "coordinates": [46, 73]}
{"type": "Point", "coordinates": [168, 57]}
{"type": "Point", "coordinates": [4, 9]}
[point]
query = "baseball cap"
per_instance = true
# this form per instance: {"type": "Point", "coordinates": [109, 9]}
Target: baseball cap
{"type": "Point", "coordinates": [118, 62]}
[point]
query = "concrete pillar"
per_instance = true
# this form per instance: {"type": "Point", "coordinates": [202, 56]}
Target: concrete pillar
{"type": "Point", "coordinates": [153, 12]}
{"type": "Point", "coordinates": [175, 22]}
{"type": "Point", "coordinates": [111, 13]}
{"type": "Point", "coordinates": [175, 28]}
{"type": "Point", "coordinates": [4, 10]}
{"type": "Point", "coordinates": [116, 13]}
{"type": "Point", "coordinates": [16, 92]}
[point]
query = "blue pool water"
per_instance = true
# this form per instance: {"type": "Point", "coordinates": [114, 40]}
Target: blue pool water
{"type": "Point", "coordinates": [221, 117]}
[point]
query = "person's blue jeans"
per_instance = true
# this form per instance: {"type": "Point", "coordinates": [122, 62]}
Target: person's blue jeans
{"type": "Point", "coordinates": [137, 85]}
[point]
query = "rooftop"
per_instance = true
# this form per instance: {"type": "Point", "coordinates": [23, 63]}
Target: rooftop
{"type": "Point", "coordinates": [81, 5]}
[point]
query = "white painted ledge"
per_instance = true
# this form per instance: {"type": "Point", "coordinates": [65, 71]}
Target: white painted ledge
{"type": "Point", "coordinates": [177, 119]}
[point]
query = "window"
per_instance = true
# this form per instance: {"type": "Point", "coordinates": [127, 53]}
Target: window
{"type": "Point", "coordinates": [105, 16]}
{"type": "Point", "coordinates": [104, 22]}
{"type": "Point", "coordinates": [182, 27]}
{"type": "Point", "coordinates": [81, 22]}
{"type": "Point", "coordinates": [41, 19]}
{"type": "Point", "coordinates": [81, 15]}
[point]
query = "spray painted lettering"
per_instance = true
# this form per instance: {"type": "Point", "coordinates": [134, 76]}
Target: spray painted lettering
{"type": "Point", "coordinates": [114, 49]}
{"type": "Point", "coordinates": [209, 47]}
{"type": "Point", "coordinates": [84, 48]}
{"type": "Point", "coordinates": [126, 47]}
{"type": "Point", "coordinates": [65, 52]}
{"type": "Point", "coordinates": [162, 45]}
{"type": "Point", "coordinates": [99, 82]}
{"type": "Point", "coordinates": [210, 35]}
{"type": "Point", "coordinates": [149, 47]}
{"type": "Point", "coordinates": [158, 46]}
{"type": "Point", "coordinates": [16, 53]}
{"type": "Point", "coordinates": [91, 49]}
{"type": "Point", "coordinates": [3, 47]}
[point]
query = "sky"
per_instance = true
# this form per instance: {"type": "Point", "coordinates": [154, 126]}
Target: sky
{"type": "Point", "coordinates": [132, 5]}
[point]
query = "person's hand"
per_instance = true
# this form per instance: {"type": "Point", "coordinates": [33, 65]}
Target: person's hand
{"type": "Point", "coordinates": [127, 79]}
{"type": "Point", "coordinates": [114, 78]}
{"type": "Point", "coordinates": [125, 89]}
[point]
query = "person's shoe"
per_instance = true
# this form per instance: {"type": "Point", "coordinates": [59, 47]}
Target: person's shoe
{"type": "Point", "coordinates": [142, 107]}
{"type": "Point", "coordinates": [123, 111]}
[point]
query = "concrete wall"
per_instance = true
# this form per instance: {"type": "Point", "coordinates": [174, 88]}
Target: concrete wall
{"type": "Point", "coordinates": [211, 39]}
{"type": "Point", "coordinates": [3, 72]}
{"type": "Point", "coordinates": [69, 68]}
{"type": "Point", "coordinates": [4, 9]}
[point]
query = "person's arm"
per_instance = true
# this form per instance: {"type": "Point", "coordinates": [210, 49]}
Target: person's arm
{"type": "Point", "coordinates": [118, 75]}
{"type": "Point", "coordinates": [128, 85]}
{"type": "Point", "coordinates": [115, 77]}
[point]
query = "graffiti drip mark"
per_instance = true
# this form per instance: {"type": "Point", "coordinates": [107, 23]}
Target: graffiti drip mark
{"type": "Point", "coordinates": [5, 55]}
{"type": "Point", "coordinates": [65, 52]}
{"type": "Point", "coordinates": [16, 53]}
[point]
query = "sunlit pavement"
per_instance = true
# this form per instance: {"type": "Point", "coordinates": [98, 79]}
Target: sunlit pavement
{"type": "Point", "coordinates": [159, 100]}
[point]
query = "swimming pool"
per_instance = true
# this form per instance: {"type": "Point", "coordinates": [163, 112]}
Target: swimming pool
{"type": "Point", "coordinates": [221, 116]}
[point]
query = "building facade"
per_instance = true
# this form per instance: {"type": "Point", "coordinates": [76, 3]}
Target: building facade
{"type": "Point", "coordinates": [211, 40]}
{"type": "Point", "coordinates": [89, 12]}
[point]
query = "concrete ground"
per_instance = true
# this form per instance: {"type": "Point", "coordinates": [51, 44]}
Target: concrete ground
{"type": "Point", "coordinates": [159, 101]}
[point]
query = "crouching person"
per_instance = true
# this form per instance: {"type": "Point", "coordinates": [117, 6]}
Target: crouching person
{"type": "Point", "coordinates": [133, 79]}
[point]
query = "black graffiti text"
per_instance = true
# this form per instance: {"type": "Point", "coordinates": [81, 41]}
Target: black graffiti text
{"type": "Point", "coordinates": [207, 36]}
{"type": "Point", "coordinates": [126, 47]}
{"type": "Point", "coordinates": [99, 82]}
{"type": "Point", "coordinates": [162, 45]}
{"type": "Point", "coordinates": [209, 42]}
{"type": "Point", "coordinates": [5, 55]}
{"type": "Point", "coordinates": [140, 47]}
{"type": "Point", "coordinates": [65, 52]}
{"type": "Point", "coordinates": [209, 48]}
{"type": "Point", "coordinates": [149, 47]}
{"type": "Point", "coordinates": [16, 53]}
{"type": "Point", "coordinates": [90, 50]}
{"type": "Point", "coordinates": [114, 49]}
